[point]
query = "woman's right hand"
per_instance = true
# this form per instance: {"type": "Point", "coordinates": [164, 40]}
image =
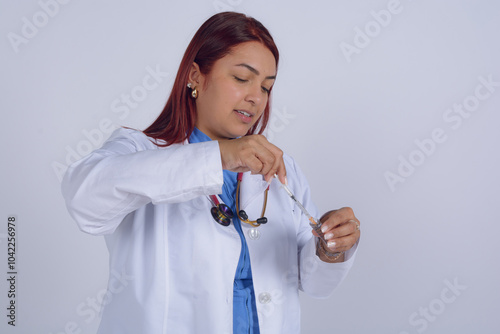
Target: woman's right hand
{"type": "Point", "coordinates": [255, 154]}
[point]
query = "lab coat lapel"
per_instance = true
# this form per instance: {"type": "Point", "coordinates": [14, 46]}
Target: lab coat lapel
{"type": "Point", "coordinates": [251, 187]}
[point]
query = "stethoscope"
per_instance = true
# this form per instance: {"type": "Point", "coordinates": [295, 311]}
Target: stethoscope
{"type": "Point", "coordinates": [223, 214]}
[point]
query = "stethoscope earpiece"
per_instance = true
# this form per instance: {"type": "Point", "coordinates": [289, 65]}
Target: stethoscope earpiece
{"type": "Point", "coordinates": [262, 220]}
{"type": "Point", "coordinates": [242, 215]}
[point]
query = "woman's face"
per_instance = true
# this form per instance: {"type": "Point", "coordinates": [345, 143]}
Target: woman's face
{"type": "Point", "coordinates": [233, 96]}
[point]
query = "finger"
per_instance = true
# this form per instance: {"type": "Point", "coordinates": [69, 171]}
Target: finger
{"type": "Point", "coordinates": [255, 156]}
{"type": "Point", "coordinates": [278, 167]}
{"type": "Point", "coordinates": [335, 218]}
{"type": "Point", "coordinates": [258, 146]}
{"type": "Point", "coordinates": [253, 153]}
{"type": "Point", "coordinates": [279, 170]}
{"type": "Point", "coordinates": [282, 174]}
{"type": "Point", "coordinates": [253, 163]}
{"type": "Point", "coordinates": [342, 244]}
{"type": "Point", "coordinates": [344, 214]}
{"type": "Point", "coordinates": [267, 158]}
{"type": "Point", "coordinates": [350, 227]}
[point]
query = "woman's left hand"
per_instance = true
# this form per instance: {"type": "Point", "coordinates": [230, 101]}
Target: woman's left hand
{"type": "Point", "coordinates": [341, 229]}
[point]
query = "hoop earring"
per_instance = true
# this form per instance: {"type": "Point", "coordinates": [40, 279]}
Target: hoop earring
{"type": "Point", "coordinates": [194, 93]}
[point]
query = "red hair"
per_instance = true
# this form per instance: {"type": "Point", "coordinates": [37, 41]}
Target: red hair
{"type": "Point", "coordinates": [214, 40]}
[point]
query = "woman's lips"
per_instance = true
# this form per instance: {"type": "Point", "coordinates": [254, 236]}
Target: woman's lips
{"type": "Point", "coordinates": [245, 116]}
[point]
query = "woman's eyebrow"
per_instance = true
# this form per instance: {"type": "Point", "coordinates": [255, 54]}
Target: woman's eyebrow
{"type": "Point", "coordinates": [253, 70]}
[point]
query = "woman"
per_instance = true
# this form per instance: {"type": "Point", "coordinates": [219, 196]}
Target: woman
{"type": "Point", "coordinates": [152, 194]}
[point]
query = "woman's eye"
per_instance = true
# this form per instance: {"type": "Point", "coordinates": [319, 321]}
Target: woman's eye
{"type": "Point", "coordinates": [264, 89]}
{"type": "Point", "coordinates": [240, 80]}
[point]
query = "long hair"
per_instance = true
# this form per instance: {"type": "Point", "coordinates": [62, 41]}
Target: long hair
{"type": "Point", "coordinates": [214, 40]}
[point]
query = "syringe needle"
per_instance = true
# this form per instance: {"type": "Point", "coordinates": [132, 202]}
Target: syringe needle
{"type": "Point", "coordinates": [313, 222]}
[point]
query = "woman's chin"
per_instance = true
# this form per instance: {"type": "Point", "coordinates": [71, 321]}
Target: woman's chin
{"type": "Point", "coordinates": [239, 132]}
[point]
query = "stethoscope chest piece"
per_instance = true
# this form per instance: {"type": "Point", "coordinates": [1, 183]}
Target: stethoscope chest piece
{"type": "Point", "coordinates": [222, 214]}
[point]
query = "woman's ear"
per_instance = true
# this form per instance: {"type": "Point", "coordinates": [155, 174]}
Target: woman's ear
{"type": "Point", "coordinates": [195, 76]}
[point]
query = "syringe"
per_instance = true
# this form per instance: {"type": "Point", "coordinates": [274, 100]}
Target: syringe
{"type": "Point", "coordinates": [314, 223]}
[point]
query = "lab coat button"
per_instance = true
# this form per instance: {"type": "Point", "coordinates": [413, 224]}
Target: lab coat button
{"type": "Point", "coordinates": [264, 298]}
{"type": "Point", "coordinates": [254, 233]}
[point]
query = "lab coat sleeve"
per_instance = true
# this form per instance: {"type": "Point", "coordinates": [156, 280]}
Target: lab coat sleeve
{"type": "Point", "coordinates": [129, 171]}
{"type": "Point", "coordinates": [317, 278]}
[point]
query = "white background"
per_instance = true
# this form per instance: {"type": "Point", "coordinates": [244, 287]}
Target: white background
{"type": "Point", "coordinates": [347, 119]}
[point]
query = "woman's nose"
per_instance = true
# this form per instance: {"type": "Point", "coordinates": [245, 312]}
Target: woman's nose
{"type": "Point", "coordinates": [254, 95]}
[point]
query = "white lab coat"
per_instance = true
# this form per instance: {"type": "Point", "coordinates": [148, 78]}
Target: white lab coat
{"type": "Point", "coordinates": [172, 266]}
